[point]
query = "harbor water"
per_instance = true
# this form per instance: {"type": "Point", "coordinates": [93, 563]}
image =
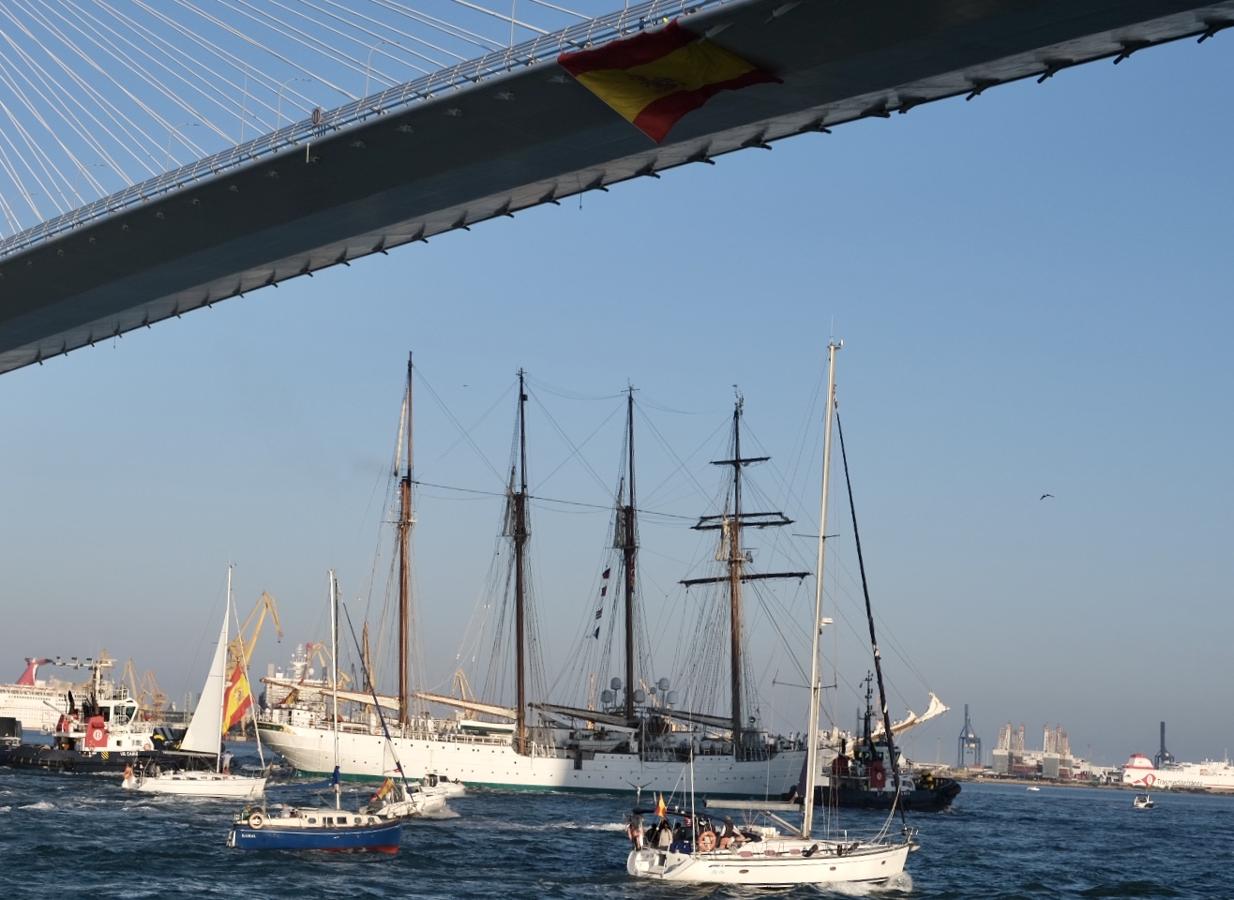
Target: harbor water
{"type": "Point", "coordinates": [84, 836]}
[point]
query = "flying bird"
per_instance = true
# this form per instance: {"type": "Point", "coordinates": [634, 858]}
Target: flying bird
{"type": "Point", "coordinates": [1043, 496]}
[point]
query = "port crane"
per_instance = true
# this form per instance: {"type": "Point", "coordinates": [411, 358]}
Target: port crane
{"type": "Point", "coordinates": [240, 650]}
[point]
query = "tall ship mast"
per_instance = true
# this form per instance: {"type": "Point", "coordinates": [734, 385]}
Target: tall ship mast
{"type": "Point", "coordinates": [517, 530]}
{"type": "Point", "coordinates": [405, 523]}
{"type": "Point", "coordinates": [626, 539]}
{"type": "Point", "coordinates": [641, 739]}
{"type": "Point", "coordinates": [731, 524]}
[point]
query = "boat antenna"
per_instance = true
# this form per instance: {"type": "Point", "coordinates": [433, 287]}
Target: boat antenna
{"type": "Point", "coordinates": [878, 658]}
{"type": "Point", "coordinates": [807, 814]}
{"type": "Point", "coordinates": [368, 679]}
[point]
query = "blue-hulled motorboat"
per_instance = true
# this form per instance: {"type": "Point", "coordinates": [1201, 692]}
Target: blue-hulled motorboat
{"type": "Point", "coordinates": [289, 828]}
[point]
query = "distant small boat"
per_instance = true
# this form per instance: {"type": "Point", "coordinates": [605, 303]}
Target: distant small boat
{"type": "Point", "coordinates": [1142, 801]}
{"type": "Point", "coordinates": [1033, 787]}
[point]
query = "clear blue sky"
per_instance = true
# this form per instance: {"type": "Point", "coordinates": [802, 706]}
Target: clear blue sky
{"type": "Point", "coordinates": [1035, 290]}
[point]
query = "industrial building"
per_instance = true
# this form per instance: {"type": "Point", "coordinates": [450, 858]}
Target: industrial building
{"type": "Point", "coordinates": [1053, 761]}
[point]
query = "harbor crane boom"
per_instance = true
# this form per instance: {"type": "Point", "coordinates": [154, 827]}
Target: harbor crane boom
{"type": "Point", "coordinates": [240, 650]}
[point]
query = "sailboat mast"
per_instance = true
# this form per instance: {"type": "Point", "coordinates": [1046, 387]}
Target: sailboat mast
{"type": "Point", "coordinates": [519, 499]}
{"type": "Point", "coordinates": [630, 549]}
{"type": "Point", "coordinates": [334, 686]}
{"type": "Point", "coordinates": [736, 563]}
{"type": "Point", "coordinates": [807, 816]}
{"type": "Point", "coordinates": [218, 756]}
{"type": "Point", "coordinates": [404, 567]}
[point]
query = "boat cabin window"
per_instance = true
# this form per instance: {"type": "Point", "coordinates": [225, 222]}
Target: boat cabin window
{"type": "Point", "coordinates": [357, 820]}
{"type": "Point", "coordinates": [312, 821]}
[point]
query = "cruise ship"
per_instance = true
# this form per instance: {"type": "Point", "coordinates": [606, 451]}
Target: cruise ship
{"type": "Point", "coordinates": [1210, 775]}
{"type": "Point", "coordinates": [33, 701]}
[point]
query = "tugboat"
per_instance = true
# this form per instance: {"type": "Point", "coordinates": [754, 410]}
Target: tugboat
{"type": "Point", "coordinates": [10, 733]}
{"type": "Point", "coordinates": [861, 778]}
{"type": "Point", "coordinates": [103, 735]}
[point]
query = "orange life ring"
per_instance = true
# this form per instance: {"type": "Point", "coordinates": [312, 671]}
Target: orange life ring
{"type": "Point", "coordinates": [256, 820]}
{"type": "Point", "coordinates": [878, 777]}
{"type": "Point", "coordinates": [706, 841]}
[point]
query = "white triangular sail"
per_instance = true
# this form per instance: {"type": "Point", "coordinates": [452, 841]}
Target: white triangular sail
{"type": "Point", "coordinates": [912, 720]}
{"type": "Point", "coordinates": [205, 731]}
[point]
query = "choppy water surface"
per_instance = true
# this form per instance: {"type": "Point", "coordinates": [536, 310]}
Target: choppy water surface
{"type": "Point", "coordinates": [84, 836]}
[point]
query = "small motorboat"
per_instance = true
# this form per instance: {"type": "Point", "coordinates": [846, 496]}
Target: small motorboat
{"type": "Point", "coordinates": [405, 800]}
{"type": "Point", "coordinates": [443, 784]}
{"type": "Point", "coordinates": [1142, 801]}
{"type": "Point", "coordinates": [1032, 787]}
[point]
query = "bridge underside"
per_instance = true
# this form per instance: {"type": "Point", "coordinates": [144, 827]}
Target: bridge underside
{"type": "Point", "coordinates": [532, 136]}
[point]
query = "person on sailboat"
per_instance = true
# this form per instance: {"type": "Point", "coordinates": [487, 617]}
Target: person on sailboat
{"type": "Point", "coordinates": [664, 835]}
{"type": "Point", "coordinates": [635, 831]}
{"type": "Point", "coordinates": [730, 836]}
{"type": "Point", "coordinates": [225, 762]}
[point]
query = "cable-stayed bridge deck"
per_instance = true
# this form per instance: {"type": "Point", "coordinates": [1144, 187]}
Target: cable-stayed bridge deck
{"type": "Point", "coordinates": [514, 130]}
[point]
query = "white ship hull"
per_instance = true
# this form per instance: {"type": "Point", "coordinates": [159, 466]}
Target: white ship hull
{"type": "Point", "coordinates": [1206, 776]}
{"type": "Point", "coordinates": [774, 862]}
{"type": "Point", "coordinates": [200, 784]}
{"type": "Point", "coordinates": [493, 763]}
{"type": "Point", "coordinates": [37, 707]}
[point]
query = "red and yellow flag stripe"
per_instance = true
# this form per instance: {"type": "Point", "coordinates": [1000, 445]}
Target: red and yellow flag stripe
{"type": "Point", "coordinates": [237, 699]}
{"type": "Point", "coordinates": [655, 78]}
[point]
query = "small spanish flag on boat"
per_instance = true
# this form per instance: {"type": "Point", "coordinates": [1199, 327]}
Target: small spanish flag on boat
{"type": "Point", "coordinates": [655, 78]}
{"type": "Point", "coordinates": [661, 806]}
{"type": "Point", "coordinates": [386, 787]}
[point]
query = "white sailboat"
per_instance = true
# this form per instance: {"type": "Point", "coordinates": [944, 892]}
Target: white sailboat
{"type": "Point", "coordinates": [204, 736]}
{"type": "Point", "coordinates": [764, 856]}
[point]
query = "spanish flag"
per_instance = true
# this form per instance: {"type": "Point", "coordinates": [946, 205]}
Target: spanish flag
{"type": "Point", "coordinates": [237, 699]}
{"type": "Point", "coordinates": [661, 806]}
{"type": "Point", "coordinates": [655, 78]}
{"type": "Point", "coordinates": [386, 787]}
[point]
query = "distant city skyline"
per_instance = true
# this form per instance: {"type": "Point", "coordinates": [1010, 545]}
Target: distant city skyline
{"type": "Point", "coordinates": [1034, 290]}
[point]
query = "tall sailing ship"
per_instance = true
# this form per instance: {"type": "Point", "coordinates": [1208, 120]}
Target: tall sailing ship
{"type": "Point", "coordinates": [629, 741]}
